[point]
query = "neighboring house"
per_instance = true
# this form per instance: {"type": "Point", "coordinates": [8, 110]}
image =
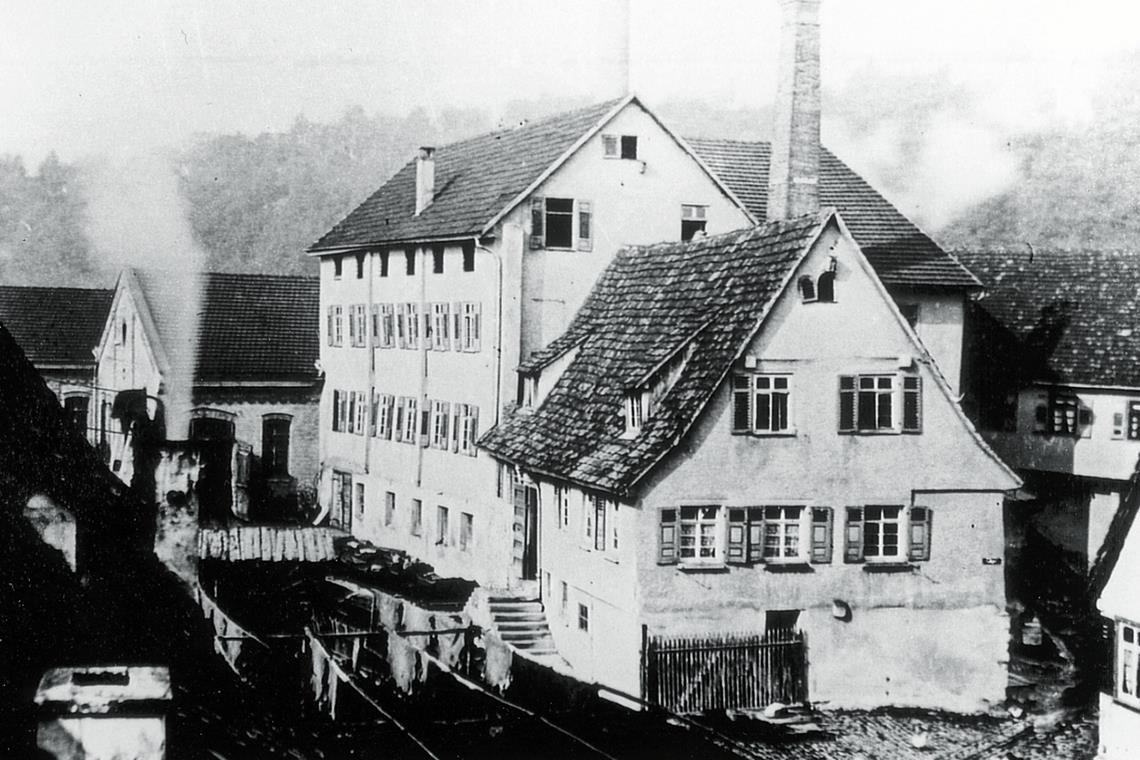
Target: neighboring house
{"type": "Point", "coordinates": [476, 255]}
{"type": "Point", "coordinates": [1054, 385]}
{"type": "Point", "coordinates": [1114, 584]}
{"type": "Point", "coordinates": [742, 434]}
{"type": "Point", "coordinates": [224, 366]}
{"type": "Point", "coordinates": [58, 328]}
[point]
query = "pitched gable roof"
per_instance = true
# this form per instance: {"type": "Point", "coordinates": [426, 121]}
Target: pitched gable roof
{"type": "Point", "coordinates": [474, 181]}
{"type": "Point", "coordinates": [900, 252]}
{"type": "Point", "coordinates": [1073, 314]}
{"type": "Point", "coordinates": [55, 326]}
{"type": "Point", "coordinates": [1116, 538]}
{"type": "Point", "coordinates": [708, 296]}
{"type": "Point", "coordinates": [251, 327]}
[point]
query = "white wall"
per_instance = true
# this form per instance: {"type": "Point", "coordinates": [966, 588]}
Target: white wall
{"type": "Point", "coordinates": [941, 317]}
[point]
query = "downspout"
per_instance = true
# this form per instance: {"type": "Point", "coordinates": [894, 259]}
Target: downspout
{"type": "Point", "coordinates": [498, 329]}
{"type": "Point", "coordinates": [371, 414]}
{"type": "Point", "coordinates": [422, 335]}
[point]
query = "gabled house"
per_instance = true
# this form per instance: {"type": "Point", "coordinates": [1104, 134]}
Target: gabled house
{"type": "Point", "coordinates": [219, 371]}
{"type": "Point", "coordinates": [1053, 383]}
{"type": "Point", "coordinates": [57, 328]}
{"type": "Point", "coordinates": [743, 436]}
{"type": "Point", "coordinates": [1113, 580]}
{"type": "Point", "coordinates": [476, 255]}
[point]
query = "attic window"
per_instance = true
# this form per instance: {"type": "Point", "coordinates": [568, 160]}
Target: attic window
{"type": "Point", "coordinates": [528, 390]}
{"type": "Point", "coordinates": [338, 267]}
{"type": "Point", "coordinates": [437, 259]}
{"type": "Point", "coordinates": [693, 220]}
{"type": "Point", "coordinates": [410, 261]}
{"type": "Point", "coordinates": [620, 146]}
{"type": "Point", "coordinates": [825, 288]}
{"type": "Point", "coordinates": [384, 263]}
{"type": "Point", "coordinates": [636, 403]}
{"type": "Point", "coordinates": [360, 266]}
{"type": "Point", "coordinates": [807, 288]}
{"type": "Point", "coordinates": [468, 256]}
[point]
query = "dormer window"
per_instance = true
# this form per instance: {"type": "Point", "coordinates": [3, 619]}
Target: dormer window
{"type": "Point", "coordinates": [528, 390]}
{"type": "Point", "coordinates": [693, 220]}
{"type": "Point", "coordinates": [636, 410]}
{"type": "Point", "coordinates": [620, 146]}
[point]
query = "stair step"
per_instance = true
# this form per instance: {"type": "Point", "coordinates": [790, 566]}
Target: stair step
{"type": "Point", "coordinates": [506, 625]}
{"type": "Point", "coordinates": [528, 607]}
{"type": "Point", "coordinates": [519, 616]}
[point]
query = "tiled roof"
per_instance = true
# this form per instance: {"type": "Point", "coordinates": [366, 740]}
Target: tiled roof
{"type": "Point", "coordinates": [55, 325]}
{"type": "Point", "coordinates": [474, 180]}
{"type": "Point", "coordinates": [706, 296]}
{"type": "Point", "coordinates": [1074, 314]}
{"type": "Point", "coordinates": [251, 326]}
{"type": "Point", "coordinates": [901, 254]}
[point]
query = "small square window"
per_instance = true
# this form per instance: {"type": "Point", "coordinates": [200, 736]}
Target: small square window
{"type": "Point", "coordinates": [583, 617]}
{"type": "Point", "coordinates": [629, 147]}
{"type": "Point", "coordinates": [610, 146]}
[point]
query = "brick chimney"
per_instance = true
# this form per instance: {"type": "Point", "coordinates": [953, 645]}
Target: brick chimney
{"type": "Point", "coordinates": [425, 179]}
{"type": "Point", "coordinates": [793, 178]}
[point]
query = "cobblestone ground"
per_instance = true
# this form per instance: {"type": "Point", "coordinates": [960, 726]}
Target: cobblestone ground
{"type": "Point", "coordinates": [888, 735]}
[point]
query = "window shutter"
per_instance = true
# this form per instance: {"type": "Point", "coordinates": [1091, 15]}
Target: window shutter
{"type": "Point", "coordinates": [457, 326]}
{"type": "Point", "coordinates": [445, 414]}
{"type": "Point", "coordinates": [401, 325]}
{"type": "Point", "coordinates": [352, 411]}
{"type": "Point", "coordinates": [741, 403]}
{"type": "Point", "coordinates": [476, 324]}
{"type": "Point", "coordinates": [472, 429]}
{"type": "Point", "coordinates": [457, 426]}
{"type": "Point", "coordinates": [585, 222]}
{"type": "Point", "coordinates": [821, 522]}
{"type": "Point", "coordinates": [920, 522]}
{"type": "Point", "coordinates": [331, 322]}
{"type": "Point", "coordinates": [373, 411]}
{"type": "Point", "coordinates": [667, 538]}
{"type": "Point", "coordinates": [756, 535]}
{"type": "Point", "coordinates": [537, 218]}
{"type": "Point", "coordinates": [912, 404]}
{"type": "Point", "coordinates": [853, 535]}
{"type": "Point", "coordinates": [425, 425]}
{"type": "Point", "coordinates": [352, 325]}
{"type": "Point", "coordinates": [846, 403]}
{"type": "Point", "coordinates": [737, 537]}
{"type": "Point", "coordinates": [361, 413]}
{"type": "Point", "coordinates": [335, 409]}
{"type": "Point", "coordinates": [375, 308]}
{"type": "Point", "coordinates": [398, 428]}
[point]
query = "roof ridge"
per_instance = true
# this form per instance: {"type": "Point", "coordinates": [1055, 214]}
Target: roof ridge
{"type": "Point", "coordinates": [538, 122]}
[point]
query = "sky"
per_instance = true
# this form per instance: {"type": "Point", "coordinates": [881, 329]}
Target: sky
{"type": "Point", "coordinates": [121, 76]}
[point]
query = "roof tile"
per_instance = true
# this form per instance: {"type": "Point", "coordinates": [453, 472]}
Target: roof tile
{"type": "Point", "coordinates": [55, 325]}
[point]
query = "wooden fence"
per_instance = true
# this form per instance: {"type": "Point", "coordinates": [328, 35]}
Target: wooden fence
{"type": "Point", "coordinates": [268, 543]}
{"type": "Point", "coordinates": [692, 674]}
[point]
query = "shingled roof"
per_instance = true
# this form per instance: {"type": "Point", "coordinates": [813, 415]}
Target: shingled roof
{"type": "Point", "coordinates": [474, 180]}
{"type": "Point", "coordinates": [900, 252]}
{"type": "Point", "coordinates": [705, 297]}
{"type": "Point", "coordinates": [1073, 314]}
{"type": "Point", "coordinates": [251, 327]}
{"type": "Point", "coordinates": [55, 326]}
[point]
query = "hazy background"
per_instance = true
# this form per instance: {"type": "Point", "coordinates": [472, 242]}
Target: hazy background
{"type": "Point", "coordinates": [234, 134]}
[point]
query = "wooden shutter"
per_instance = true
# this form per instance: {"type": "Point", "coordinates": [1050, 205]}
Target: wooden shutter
{"type": "Point", "coordinates": [737, 537]}
{"type": "Point", "coordinates": [375, 315]}
{"type": "Point", "coordinates": [332, 330]}
{"type": "Point", "coordinates": [667, 538]}
{"type": "Point", "coordinates": [821, 522]}
{"type": "Point", "coordinates": [912, 404]}
{"type": "Point", "coordinates": [741, 403]}
{"type": "Point", "coordinates": [919, 544]}
{"type": "Point", "coordinates": [351, 412]}
{"type": "Point", "coordinates": [401, 325]}
{"type": "Point", "coordinates": [335, 410]}
{"type": "Point", "coordinates": [457, 326]}
{"type": "Point", "coordinates": [425, 424]}
{"type": "Point", "coordinates": [585, 227]}
{"type": "Point", "coordinates": [756, 535]}
{"type": "Point", "coordinates": [853, 535]}
{"type": "Point", "coordinates": [476, 324]}
{"type": "Point", "coordinates": [373, 412]}
{"type": "Point", "coordinates": [457, 426]}
{"type": "Point", "coordinates": [398, 425]}
{"type": "Point", "coordinates": [445, 413]}
{"type": "Point", "coordinates": [847, 393]}
{"type": "Point", "coordinates": [472, 429]}
{"type": "Point", "coordinates": [537, 223]}
{"type": "Point", "coordinates": [352, 325]}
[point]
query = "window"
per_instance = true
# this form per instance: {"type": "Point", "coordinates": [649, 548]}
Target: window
{"type": "Point", "coordinates": [469, 256]}
{"type": "Point", "coordinates": [1133, 430]}
{"type": "Point", "coordinates": [505, 485]}
{"type": "Point", "coordinates": [634, 411]}
{"type": "Point", "coordinates": [389, 508]}
{"type": "Point", "coordinates": [700, 535]}
{"type": "Point", "coordinates": [693, 220]}
{"type": "Point", "coordinates": [360, 266]}
{"type": "Point", "coordinates": [359, 413]}
{"type": "Point", "coordinates": [357, 325]}
{"type": "Point", "coordinates": [442, 529]}
{"type": "Point", "coordinates": [1127, 662]}
{"type": "Point", "coordinates": [465, 428]}
{"type": "Point", "coordinates": [359, 500]}
{"type": "Point", "coordinates": [417, 517]}
{"type": "Point", "coordinates": [437, 259]}
{"type": "Point", "coordinates": [867, 403]}
{"type": "Point", "coordinates": [75, 409]}
{"type": "Point", "coordinates": [825, 288]}
{"type": "Point", "coordinates": [440, 326]}
{"type": "Point", "coordinates": [528, 390]}
{"type": "Point", "coordinates": [1060, 412]}
{"type": "Point", "coordinates": [338, 267]}
{"type": "Point", "coordinates": [782, 532]}
{"type": "Point", "coordinates": [562, 500]}
{"type": "Point", "coordinates": [385, 403]}
{"type": "Point", "coordinates": [121, 333]}
{"type": "Point", "coordinates": [583, 617]}
{"type": "Point", "coordinates": [564, 600]}
{"type": "Point", "coordinates": [760, 403]}
{"type": "Point", "coordinates": [384, 263]}
{"type": "Point", "coordinates": [410, 261]}
{"type": "Point", "coordinates": [275, 445]}
{"type": "Point", "coordinates": [619, 146]}
{"type": "Point", "coordinates": [553, 223]}
{"type": "Point", "coordinates": [341, 516]}
{"type": "Point", "coordinates": [613, 523]}
{"type": "Point", "coordinates": [597, 523]}
{"type": "Point", "coordinates": [335, 326]}
{"type": "Point", "coordinates": [387, 315]}
{"type": "Point", "coordinates": [410, 411]}
{"type": "Point", "coordinates": [467, 529]}
{"type": "Point", "coordinates": [408, 325]}
{"type": "Point", "coordinates": [374, 325]}
{"type": "Point", "coordinates": [876, 533]}
{"type": "Point", "coordinates": [440, 419]}
{"type": "Point", "coordinates": [468, 318]}
{"type": "Point", "coordinates": [807, 288]}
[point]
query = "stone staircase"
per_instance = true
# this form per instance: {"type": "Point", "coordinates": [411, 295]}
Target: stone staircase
{"type": "Point", "coordinates": [522, 624]}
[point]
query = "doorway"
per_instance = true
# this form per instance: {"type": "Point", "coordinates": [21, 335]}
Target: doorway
{"type": "Point", "coordinates": [525, 531]}
{"type": "Point", "coordinates": [214, 439]}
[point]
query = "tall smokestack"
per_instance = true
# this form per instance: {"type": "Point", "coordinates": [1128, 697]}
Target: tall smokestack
{"type": "Point", "coordinates": [793, 178]}
{"type": "Point", "coordinates": [624, 32]}
{"type": "Point", "coordinates": [425, 179]}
